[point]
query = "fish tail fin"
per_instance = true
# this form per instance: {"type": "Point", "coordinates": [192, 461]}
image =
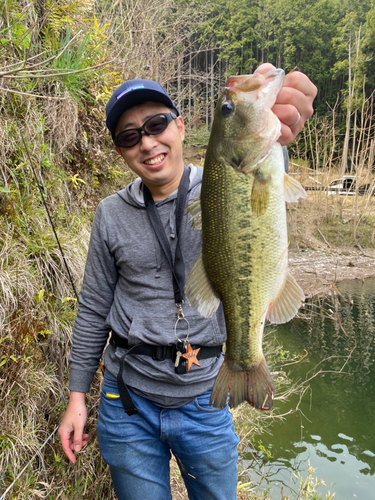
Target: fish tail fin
{"type": "Point", "coordinates": [254, 386]}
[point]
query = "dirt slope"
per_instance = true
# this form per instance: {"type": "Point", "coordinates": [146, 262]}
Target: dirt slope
{"type": "Point", "coordinates": [317, 270]}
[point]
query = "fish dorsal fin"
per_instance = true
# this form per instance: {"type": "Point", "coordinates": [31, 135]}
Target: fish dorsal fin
{"type": "Point", "coordinates": [198, 290]}
{"type": "Point", "coordinates": [285, 306]}
{"type": "Point", "coordinates": [293, 189]}
{"type": "Point", "coordinates": [194, 209]}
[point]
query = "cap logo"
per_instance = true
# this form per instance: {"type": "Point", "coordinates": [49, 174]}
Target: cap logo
{"type": "Point", "coordinates": [135, 87]}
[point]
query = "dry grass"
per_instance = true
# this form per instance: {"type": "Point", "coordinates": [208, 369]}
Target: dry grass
{"type": "Point", "coordinates": [331, 220]}
{"type": "Point", "coordinates": [36, 318]}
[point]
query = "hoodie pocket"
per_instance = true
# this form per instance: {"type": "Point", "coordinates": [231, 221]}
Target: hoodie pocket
{"type": "Point", "coordinates": [160, 330]}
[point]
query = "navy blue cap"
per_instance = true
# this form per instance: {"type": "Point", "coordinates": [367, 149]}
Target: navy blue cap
{"type": "Point", "coordinates": [131, 93]}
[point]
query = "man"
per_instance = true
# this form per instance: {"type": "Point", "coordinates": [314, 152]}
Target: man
{"type": "Point", "coordinates": [163, 357]}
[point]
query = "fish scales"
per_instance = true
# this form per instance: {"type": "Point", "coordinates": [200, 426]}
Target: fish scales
{"type": "Point", "coordinates": [225, 248]}
{"type": "Point", "coordinates": [233, 253]}
{"type": "Point", "coordinates": [244, 237]}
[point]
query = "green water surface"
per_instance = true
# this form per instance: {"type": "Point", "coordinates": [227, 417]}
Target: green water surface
{"type": "Point", "coordinates": [334, 431]}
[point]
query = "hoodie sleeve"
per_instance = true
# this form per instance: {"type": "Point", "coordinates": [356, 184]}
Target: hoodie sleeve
{"type": "Point", "coordinates": [90, 331]}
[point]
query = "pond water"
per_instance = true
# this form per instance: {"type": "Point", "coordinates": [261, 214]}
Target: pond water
{"type": "Point", "coordinates": [334, 431]}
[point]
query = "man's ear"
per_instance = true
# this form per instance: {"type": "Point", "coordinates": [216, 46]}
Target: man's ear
{"type": "Point", "coordinates": [118, 150]}
{"type": "Point", "coordinates": [181, 127]}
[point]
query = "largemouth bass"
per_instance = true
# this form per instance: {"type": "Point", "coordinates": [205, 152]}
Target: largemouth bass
{"type": "Point", "coordinates": [242, 215]}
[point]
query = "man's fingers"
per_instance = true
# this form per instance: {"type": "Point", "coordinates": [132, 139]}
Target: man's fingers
{"type": "Point", "coordinates": [294, 102]}
{"type": "Point", "coordinates": [264, 68]}
{"type": "Point", "coordinates": [287, 135]}
{"type": "Point", "coordinates": [301, 101]}
{"type": "Point", "coordinates": [78, 439]}
{"type": "Point", "coordinates": [294, 105]}
{"type": "Point", "coordinates": [66, 443]}
{"type": "Point", "coordinates": [288, 114]}
{"type": "Point", "coordinates": [72, 441]}
{"type": "Point", "coordinates": [85, 440]}
{"type": "Point", "coordinates": [72, 425]}
{"type": "Point", "coordinates": [301, 82]}
{"type": "Point", "coordinates": [70, 445]}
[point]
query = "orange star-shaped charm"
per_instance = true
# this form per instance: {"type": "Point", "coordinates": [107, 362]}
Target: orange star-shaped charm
{"type": "Point", "coordinates": [191, 356]}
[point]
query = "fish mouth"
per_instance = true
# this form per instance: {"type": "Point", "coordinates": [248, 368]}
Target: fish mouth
{"type": "Point", "coordinates": [244, 83]}
{"type": "Point", "coordinates": [247, 87]}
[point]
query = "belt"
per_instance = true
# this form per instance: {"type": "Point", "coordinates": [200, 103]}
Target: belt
{"type": "Point", "coordinates": [158, 353]}
{"type": "Point", "coordinates": [162, 352]}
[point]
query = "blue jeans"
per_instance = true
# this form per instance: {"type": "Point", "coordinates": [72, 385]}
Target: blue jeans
{"type": "Point", "coordinates": [138, 448]}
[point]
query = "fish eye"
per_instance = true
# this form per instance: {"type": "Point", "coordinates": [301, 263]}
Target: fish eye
{"type": "Point", "coordinates": [227, 108]}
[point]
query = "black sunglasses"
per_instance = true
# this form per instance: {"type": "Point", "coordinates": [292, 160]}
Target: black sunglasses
{"type": "Point", "coordinates": [153, 126]}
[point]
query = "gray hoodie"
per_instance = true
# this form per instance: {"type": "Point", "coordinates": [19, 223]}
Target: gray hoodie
{"type": "Point", "coordinates": [127, 288]}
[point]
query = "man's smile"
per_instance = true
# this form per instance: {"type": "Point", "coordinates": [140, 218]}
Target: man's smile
{"type": "Point", "coordinates": [155, 160]}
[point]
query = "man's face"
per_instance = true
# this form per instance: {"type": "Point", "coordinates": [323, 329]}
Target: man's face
{"type": "Point", "coordinates": [157, 159]}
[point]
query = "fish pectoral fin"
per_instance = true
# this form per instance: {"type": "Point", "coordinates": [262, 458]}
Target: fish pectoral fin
{"type": "Point", "coordinates": [260, 193]}
{"type": "Point", "coordinates": [198, 290]}
{"type": "Point", "coordinates": [285, 306]}
{"type": "Point", "coordinates": [194, 209]}
{"type": "Point", "coordinates": [293, 189]}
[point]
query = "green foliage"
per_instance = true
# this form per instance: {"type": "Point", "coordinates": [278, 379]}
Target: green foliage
{"type": "Point", "coordinates": [16, 34]}
{"type": "Point", "coordinates": [368, 49]}
{"type": "Point", "coordinates": [313, 36]}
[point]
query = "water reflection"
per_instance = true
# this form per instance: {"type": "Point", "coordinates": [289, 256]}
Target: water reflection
{"type": "Point", "coordinates": [335, 430]}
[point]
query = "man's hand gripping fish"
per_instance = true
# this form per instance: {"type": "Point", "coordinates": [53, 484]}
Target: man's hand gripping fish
{"type": "Point", "coordinates": [242, 215]}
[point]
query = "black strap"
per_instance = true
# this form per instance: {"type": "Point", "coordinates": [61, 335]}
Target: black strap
{"type": "Point", "coordinates": [161, 352]}
{"type": "Point", "coordinates": [177, 266]}
{"type": "Point", "coordinates": [125, 397]}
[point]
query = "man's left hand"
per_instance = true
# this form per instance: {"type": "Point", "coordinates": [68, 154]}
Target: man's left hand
{"type": "Point", "coordinates": [294, 103]}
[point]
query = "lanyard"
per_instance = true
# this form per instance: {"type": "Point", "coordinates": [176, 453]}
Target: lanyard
{"type": "Point", "coordinates": [177, 265]}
